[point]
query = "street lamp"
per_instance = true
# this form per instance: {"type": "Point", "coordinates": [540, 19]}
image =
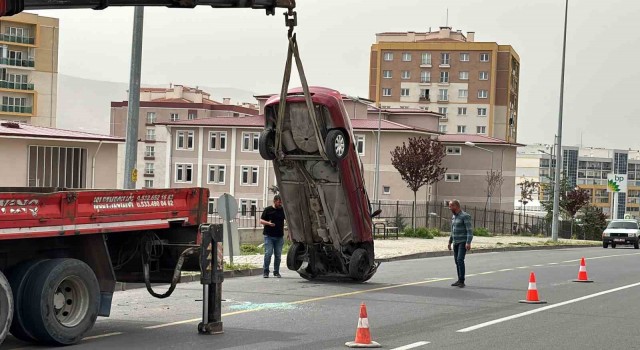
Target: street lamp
{"type": "Point", "coordinates": [472, 144]}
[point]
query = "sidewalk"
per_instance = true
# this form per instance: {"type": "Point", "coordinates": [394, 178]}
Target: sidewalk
{"type": "Point", "coordinates": [392, 249]}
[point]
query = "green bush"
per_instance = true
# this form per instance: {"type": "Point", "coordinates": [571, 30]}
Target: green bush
{"type": "Point", "coordinates": [481, 232]}
{"type": "Point", "coordinates": [398, 222]}
{"type": "Point", "coordinates": [421, 232]}
{"type": "Point", "coordinates": [251, 249]}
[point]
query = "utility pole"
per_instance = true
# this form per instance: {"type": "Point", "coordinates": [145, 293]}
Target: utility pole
{"type": "Point", "coordinates": [556, 185]}
{"type": "Point", "coordinates": [133, 115]}
{"type": "Point", "coordinates": [377, 181]}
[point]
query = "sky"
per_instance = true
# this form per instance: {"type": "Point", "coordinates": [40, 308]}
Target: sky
{"type": "Point", "coordinates": [245, 49]}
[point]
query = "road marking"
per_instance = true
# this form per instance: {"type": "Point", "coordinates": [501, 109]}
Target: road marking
{"type": "Point", "coordinates": [545, 308]}
{"type": "Point", "coordinates": [522, 267]}
{"type": "Point", "coordinates": [102, 336]}
{"type": "Point", "coordinates": [554, 263]}
{"type": "Point", "coordinates": [334, 296]}
{"type": "Point", "coordinates": [486, 273]}
{"type": "Point", "coordinates": [412, 346]}
{"type": "Point", "coordinates": [503, 270]}
{"type": "Point", "coordinates": [538, 265]}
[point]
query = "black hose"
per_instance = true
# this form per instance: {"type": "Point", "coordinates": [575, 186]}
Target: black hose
{"type": "Point", "coordinates": [176, 273]}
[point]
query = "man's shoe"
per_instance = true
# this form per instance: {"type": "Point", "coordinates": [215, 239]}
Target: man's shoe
{"type": "Point", "coordinates": [265, 275]}
{"type": "Point", "coordinates": [456, 284]}
{"type": "Point", "coordinates": [276, 275]}
{"type": "Point", "coordinates": [461, 285]}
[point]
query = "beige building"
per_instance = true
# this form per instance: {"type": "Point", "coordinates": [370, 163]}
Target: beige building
{"type": "Point", "coordinates": [473, 85]}
{"type": "Point", "coordinates": [29, 69]}
{"type": "Point", "coordinates": [44, 157]}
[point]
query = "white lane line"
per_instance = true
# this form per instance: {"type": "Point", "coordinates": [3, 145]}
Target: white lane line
{"type": "Point", "coordinates": [503, 270]}
{"type": "Point", "coordinates": [102, 336]}
{"type": "Point", "coordinates": [545, 308]}
{"type": "Point", "coordinates": [412, 346]}
{"type": "Point", "coordinates": [486, 273]}
{"type": "Point", "coordinates": [174, 323]}
{"type": "Point", "coordinates": [522, 267]}
{"type": "Point", "coordinates": [554, 263]}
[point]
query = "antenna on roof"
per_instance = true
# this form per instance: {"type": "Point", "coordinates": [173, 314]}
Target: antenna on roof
{"type": "Point", "coordinates": [447, 16]}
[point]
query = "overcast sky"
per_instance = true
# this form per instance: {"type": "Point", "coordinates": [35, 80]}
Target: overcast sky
{"type": "Point", "coordinates": [245, 49]}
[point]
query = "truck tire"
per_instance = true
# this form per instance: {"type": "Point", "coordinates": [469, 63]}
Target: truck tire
{"type": "Point", "coordinates": [18, 277]}
{"type": "Point", "coordinates": [266, 143]}
{"type": "Point", "coordinates": [61, 301]}
{"type": "Point", "coordinates": [359, 265]}
{"type": "Point", "coordinates": [336, 145]}
{"type": "Point", "coordinates": [6, 307]}
{"type": "Point", "coordinates": [294, 255]}
{"type": "Point", "coordinates": [636, 245]}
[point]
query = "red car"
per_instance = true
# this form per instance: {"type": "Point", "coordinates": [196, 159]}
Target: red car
{"type": "Point", "coordinates": [320, 181]}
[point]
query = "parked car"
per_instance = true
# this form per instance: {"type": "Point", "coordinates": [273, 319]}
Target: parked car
{"type": "Point", "coordinates": [623, 232]}
{"type": "Point", "coordinates": [321, 184]}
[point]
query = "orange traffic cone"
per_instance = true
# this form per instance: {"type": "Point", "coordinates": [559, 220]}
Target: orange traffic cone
{"type": "Point", "coordinates": [532, 292]}
{"type": "Point", "coordinates": [363, 337]}
{"type": "Point", "coordinates": [582, 273]}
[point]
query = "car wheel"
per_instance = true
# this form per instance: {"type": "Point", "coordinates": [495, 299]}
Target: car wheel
{"type": "Point", "coordinates": [336, 145]}
{"type": "Point", "coordinates": [613, 245]}
{"type": "Point", "coordinates": [605, 245]}
{"type": "Point", "coordinates": [294, 256]}
{"type": "Point", "coordinates": [18, 277]}
{"type": "Point", "coordinates": [266, 144]}
{"type": "Point", "coordinates": [359, 265]}
{"type": "Point", "coordinates": [636, 245]}
{"type": "Point", "coordinates": [61, 301]}
{"type": "Point", "coordinates": [6, 307]}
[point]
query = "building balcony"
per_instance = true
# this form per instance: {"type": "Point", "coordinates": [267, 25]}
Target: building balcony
{"type": "Point", "coordinates": [425, 99]}
{"type": "Point", "coordinates": [444, 118]}
{"type": "Point", "coordinates": [18, 63]}
{"type": "Point", "coordinates": [16, 86]}
{"type": "Point", "coordinates": [425, 65]}
{"type": "Point", "coordinates": [444, 65]}
{"type": "Point", "coordinates": [16, 109]}
{"type": "Point", "coordinates": [442, 99]}
{"type": "Point", "coordinates": [17, 39]}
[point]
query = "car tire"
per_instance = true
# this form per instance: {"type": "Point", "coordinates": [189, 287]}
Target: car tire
{"type": "Point", "coordinates": [266, 144]}
{"type": "Point", "coordinates": [359, 265]}
{"type": "Point", "coordinates": [636, 245]}
{"type": "Point", "coordinates": [613, 245]}
{"type": "Point", "coordinates": [296, 251]}
{"type": "Point", "coordinates": [336, 145]}
{"type": "Point", "coordinates": [18, 277]}
{"type": "Point", "coordinates": [62, 300]}
{"type": "Point", "coordinates": [6, 307]}
{"type": "Point", "coordinates": [605, 245]}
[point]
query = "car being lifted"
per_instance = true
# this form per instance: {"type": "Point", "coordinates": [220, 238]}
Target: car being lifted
{"type": "Point", "coordinates": [321, 183]}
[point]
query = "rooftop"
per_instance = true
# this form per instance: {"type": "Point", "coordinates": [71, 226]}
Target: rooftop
{"type": "Point", "coordinates": [9, 129]}
{"type": "Point", "coordinates": [477, 139]}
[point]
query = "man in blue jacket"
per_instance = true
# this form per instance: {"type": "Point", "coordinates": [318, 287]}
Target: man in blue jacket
{"type": "Point", "coordinates": [461, 237]}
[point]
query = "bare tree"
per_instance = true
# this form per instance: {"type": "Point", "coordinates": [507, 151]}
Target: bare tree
{"type": "Point", "coordinates": [494, 181]}
{"type": "Point", "coordinates": [527, 189]}
{"type": "Point", "coordinates": [419, 164]}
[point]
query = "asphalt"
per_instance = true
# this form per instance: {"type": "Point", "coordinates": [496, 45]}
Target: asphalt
{"type": "Point", "coordinates": [408, 302]}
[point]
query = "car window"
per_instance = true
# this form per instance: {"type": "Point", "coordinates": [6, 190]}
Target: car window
{"type": "Point", "coordinates": [623, 225]}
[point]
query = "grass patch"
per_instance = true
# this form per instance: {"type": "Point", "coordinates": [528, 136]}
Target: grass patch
{"type": "Point", "coordinates": [421, 232]}
{"type": "Point", "coordinates": [482, 232]}
{"type": "Point", "coordinates": [521, 244]}
{"type": "Point", "coordinates": [238, 267]}
{"type": "Point", "coordinates": [255, 249]}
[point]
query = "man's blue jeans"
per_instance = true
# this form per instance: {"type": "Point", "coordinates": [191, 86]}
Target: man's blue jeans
{"type": "Point", "coordinates": [272, 245]}
{"type": "Point", "coordinates": [459, 252]}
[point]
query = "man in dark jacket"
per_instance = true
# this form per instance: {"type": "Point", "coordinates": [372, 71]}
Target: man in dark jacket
{"type": "Point", "coordinates": [461, 236]}
{"type": "Point", "coordinates": [273, 220]}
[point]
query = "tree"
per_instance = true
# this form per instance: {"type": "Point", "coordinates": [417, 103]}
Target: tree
{"type": "Point", "coordinates": [593, 221]}
{"type": "Point", "coordinates": [575, 200]}
{"type": "Point", "coordinates": [418, 163]}
{"type": "Point", "coordinates": [494, 181]}
{"type": "Point", "coordinates": [527, 190]}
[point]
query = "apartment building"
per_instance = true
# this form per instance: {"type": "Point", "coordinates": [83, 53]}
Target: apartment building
{"type": "Point", "coordinates": [29, 69]}
{"type": "Point", "coordinates": [160, 105]}
{"type": "Point", "coordinates": [473, 85]}
{"type": "Point", "coordinates": [587, 168]}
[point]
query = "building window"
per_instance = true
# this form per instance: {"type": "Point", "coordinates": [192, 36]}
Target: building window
{"type": "Point", "coordinates": [192, 116]}
{"type": "Point", "coordinates": [425, 76]}
{"type": "Point", "coordinates": [216, 174]}
{"type": "Point", "coordinates": [406, 57]}
{"type": "Point", "coordinates": [151, 117]}
{"type": "Point", "coordinates": [424, 94]}
{"type": "Point", "coordinates": [248, 207]}
{"type": "Point", "coordinates": [249, 176]}
{"type": "Point", "coordinates": [443, 95]}
{"type": "Point", "coordinates": [212, 206]}
{"type": "Point", "coordinates": [442, 110]}
{"type": "Point", "coordinates": [406, 74]}
{"type": "Point", "coordinates": [387, 74]}
{"type": "Point", "coordinates": [150, 151]}
{"type": "Point", "coordinates": [442, 128]}
{"type": "Point", "coordinates": [184, 140]}
{"type": "Point", "coordinates": [452, 178]}
{"type": "Point", "coordinates": [404, 107]}
{"type": "Point", "coordinates": [484, 57]}
{"type": "Point", "coordinates": [184, 173]}
{"type": "Point", "coordinates": [15, 104]}
{"type": "Point", "coordinates": [360, 143]}
{"type": "Point", "coordinates": [464, 75]}
{"type": "Point", "coordinates": [484, 75]}
{"type": "Point", "coordinates": [454, 150]}
{"type": "Point", "coordinates": [482, 112]}
{"type": "Point", "coordinates": [482, 130]}
{"type": "Point", "coordinates": [483, 94]}
{"type": "Point", "coordinates": [463, 93]}
{"type": "Point", "coordinates": [462, 129]}
{"type": "Point", "coordinates": [151, 134]}
{"type": "Point", "coordinates": [217, 141]}
{"type": "Point", "coordinates": [426, 58]}
{"type": "Point", "coordinates": [462, 110]}
{"type": "Point", "coordinates": [250, 141]}
{"type": "Point", "coordinates": [444, 59]}
{"type": "Point", "coordinates": [148, 183]}
{"type": "Point", "coordinates": [388, 56]}
{"type": "Point", "coordinates": [464, 57]}
{"type": "Point", "coordinates": [174, 117]}
{"type": "Point", "coordinates": [386, 189]}
{"type": "Point", "coordinates": [51, 166]}
{"type": "Point", "coordinates": [149, 169]}
{"type": "Point", "coordinates": [404, 92]}
{"type": "Point", "coordinates": [444, 77]}
{"type": "Point", "coordinates": [386, 92]}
